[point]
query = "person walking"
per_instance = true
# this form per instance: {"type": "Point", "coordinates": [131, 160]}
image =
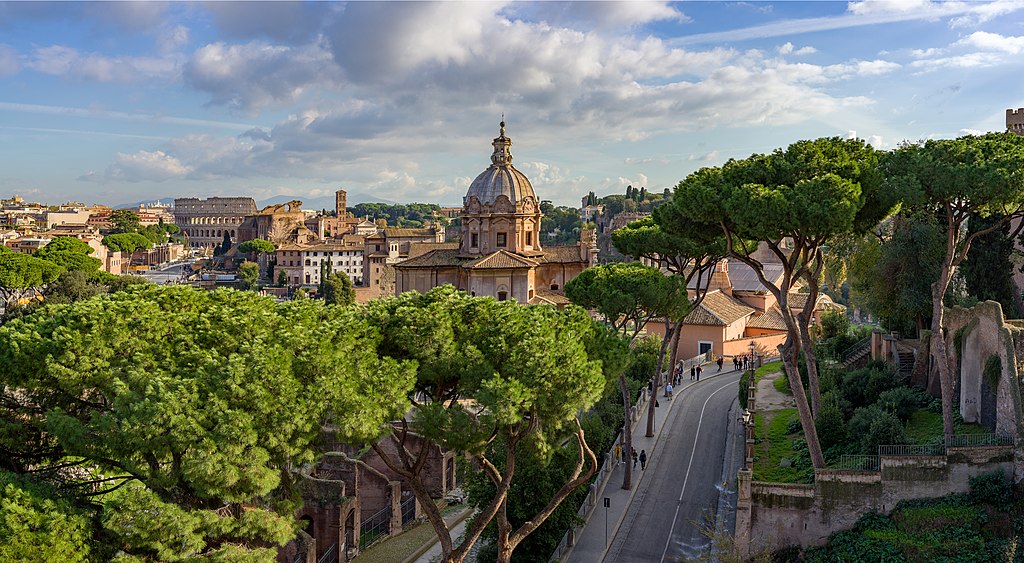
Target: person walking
{"type": "Point", "coordinates": [635, 458]}
{"type": "Point", "coordinates": [720, 363]}
{"type": "Point", "coordinates": [618, 455]}
{"type": "Point", "coordinates": [643, 460]}
{"type": "Point", "coordinates": [693, 373]}
{"type": "Point", "coordinates": [668, 391]}
{"type": "Point", "coordinates": [699, 369]}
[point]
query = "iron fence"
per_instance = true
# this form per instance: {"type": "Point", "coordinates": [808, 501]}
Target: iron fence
{"type": "Point", "coordinates": [849, 462]}
{"type": "Point", "coordinates": [974, 440]}
{"type": "Point", "coordinates": [375, 527]}
{"type": "Point", "coordinates": [909, 450]}
{"type": "Point", "coordinates": [408, 508]}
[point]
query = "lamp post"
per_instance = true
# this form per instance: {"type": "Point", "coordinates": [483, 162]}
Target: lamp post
{"type": "Point", "coordinates": [753, 351]}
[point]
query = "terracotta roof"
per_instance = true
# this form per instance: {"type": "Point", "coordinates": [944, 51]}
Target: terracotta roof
{"type": "Point", "coordinates": [421, 248]}
{"type": "Point", "coordinates": [560, 254]}
{"type": "Point", "coordinates": [433, 259]}
{"type": "Point", "coordinates": [501, 260]}
{"type": "Point", "coordinates": [770, 320]}
{"type": "Point", "coordinates": [549, 297]}
{"type": "Point", "coordinates": [718, 309]}
{"type": "Point", "coordinates": [798, 300]}
{"type": "Point", "coordinates": [403, 232]}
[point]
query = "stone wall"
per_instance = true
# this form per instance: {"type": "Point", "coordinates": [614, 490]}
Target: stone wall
{"type": "Point", "coordinates": [775, 515]}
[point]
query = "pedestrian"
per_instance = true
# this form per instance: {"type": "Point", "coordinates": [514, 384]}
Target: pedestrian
{"type": "Point", "coordinates": [643, 460]}
{"type": "Point", "coordinates": [618, 455]}
{"type": "Point", "coordinates": [699, 370]}
{"type": "Point", "coordinates": [635, 458]}
{"type": "Point", "coordinates": [693, 373]}
{"type": "Point", "coordinates": [719, 363]}
{"type": "Point", "coordinates": [668, 391]}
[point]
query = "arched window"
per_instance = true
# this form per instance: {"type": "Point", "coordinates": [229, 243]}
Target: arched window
{"type": "Point", "coordinates": [502, 296]}
{"type": "Point", "coordinates": [554, 286]}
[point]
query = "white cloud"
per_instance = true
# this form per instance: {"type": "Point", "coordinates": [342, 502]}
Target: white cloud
{"type": "Point", "coordinates": [256, 74]}
{"type": "Point", "coordinates": [993, 42]}
{"type": "Point", "coordinates": [710, 156]}
{"type": "Point", "coordinates": [787, 48]}
{"type": "Point", "coordinates": [156, 166]}
{"type": "Point", "coordinates": [70, 63]}
{"type": "Point", "coordinates": [877, 141]}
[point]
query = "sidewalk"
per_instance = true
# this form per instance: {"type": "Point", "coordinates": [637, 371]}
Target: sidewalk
{"type": "Point", "coordinates": [593, 540]}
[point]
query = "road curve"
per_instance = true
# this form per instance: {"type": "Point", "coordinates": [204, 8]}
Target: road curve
{"type": "Point", "coordinates": [684, 478]}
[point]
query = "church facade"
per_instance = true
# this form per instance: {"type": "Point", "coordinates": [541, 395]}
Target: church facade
{"type": "Point", "coordinates": [499, 253]}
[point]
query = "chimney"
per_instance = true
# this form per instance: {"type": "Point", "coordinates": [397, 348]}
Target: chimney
{"type": "Point", "coordinates": [720, 278]}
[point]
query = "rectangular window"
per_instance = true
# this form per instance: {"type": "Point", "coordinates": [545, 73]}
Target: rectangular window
{"type": "Point", "coordinates": [502, 240]}
{"type": "Point", "coordinates": [474, 240]}
{"type": "Point", "coordinates": [529, 238]}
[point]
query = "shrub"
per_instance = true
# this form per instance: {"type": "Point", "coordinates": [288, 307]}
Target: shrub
{"type": "Point", "coordinates": [830, 423]}
{"type": "Point", "coordinates": [886, 429]}
{"type": "Point", "coordinates": [902, 401]}
{"type": "Point", "coordinates": [992, 488]}
{"type": "Point", "coordinates": [863, 386]}
{"type": "Point", "coordinates": [744, 384]}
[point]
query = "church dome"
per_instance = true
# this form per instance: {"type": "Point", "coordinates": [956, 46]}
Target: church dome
{"type": "Point", "coordinates": [501, 178]}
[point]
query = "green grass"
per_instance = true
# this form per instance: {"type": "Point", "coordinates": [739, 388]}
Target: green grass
{"type": "Point", "coordinates": [767, 369]}
{"type": "Point", "coordinates": [775, 444]}
{"type": "Point", "coordinates": [781, 384]}
{"type": "Point", "coordinates": [925, 427]}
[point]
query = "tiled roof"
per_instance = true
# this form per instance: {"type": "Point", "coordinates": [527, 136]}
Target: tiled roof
{"type": "Point", "coordinates": [549, 297]}
{"type": "Point", "coordinates": [770, 320]}
{"type": "Point", "coordinates": [433, 259]}
{"type": "Point", "coordinates": [718, 309]}
{"type": "Point", "coordinates": [501, 260]}
{"type": "Point", "coordinates": [560, 254]}
{"type": "Point", "coordinates": [421, 248]}
{"type": "Point", "coordinates": [403, 232]}
{"type": "Point", "coordinates": [798, 301]}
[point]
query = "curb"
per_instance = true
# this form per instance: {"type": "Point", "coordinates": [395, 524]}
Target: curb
{"type": "Point", "coordinates": [426, 547]}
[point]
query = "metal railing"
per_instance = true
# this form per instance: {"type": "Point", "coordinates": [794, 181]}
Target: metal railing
{"type": "Point", "coordinates": [849, 462]}
{"type": "Point", "coordinates": [408, 508]}
{"type": "Point", "coordinates": [856, 351]}
{"type": "Point", "coordinates": [375, 527]}
{"type": "Point", "coordinates": [910, 450]}
{"type": "Point", "coordinates": [330, 555]}
{"type": "Point", "coordinates": [973, 440]}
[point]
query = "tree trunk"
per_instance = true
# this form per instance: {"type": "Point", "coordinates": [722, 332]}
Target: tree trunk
{"type": "Point", "coordinates": [656, 378]}
{"type": "Point", "coordinates": [627, 434]}
{"type": "Point", "coordinates": [675, 345]}
{"type": "Point", "coordinates": [788, 352]}
{"type": "Point", "coordinates": [938, 350]}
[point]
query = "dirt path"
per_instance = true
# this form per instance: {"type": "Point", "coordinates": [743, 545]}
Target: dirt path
{"type": "Point", "coordinates": [768, 399]}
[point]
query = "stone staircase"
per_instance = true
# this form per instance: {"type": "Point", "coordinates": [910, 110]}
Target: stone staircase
{"type": "Point", "coordinates": [857, 352]}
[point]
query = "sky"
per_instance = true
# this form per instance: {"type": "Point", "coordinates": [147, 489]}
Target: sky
{"type": "Point", "coordinates": [117, 102]}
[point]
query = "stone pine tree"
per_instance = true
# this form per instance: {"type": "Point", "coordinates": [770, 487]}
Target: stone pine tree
{"type": "Point", "coordinates": [628, 296]}
{"type": "Point", "coordinates": [793, 202]}
{"type": "Point", "coordinates": [492, 374]}
{"type": "Point", "coordinates": [146, 413]}
{"type": "Point", "coordinates": [22, 276]}
{"type": "Point", "coordinates": [955, 179]}
{"type": "Point", "coordinates": [689, 251]}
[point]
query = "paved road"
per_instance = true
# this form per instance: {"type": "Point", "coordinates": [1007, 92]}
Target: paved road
{"type": "Point", "coordinates": [685, 480]}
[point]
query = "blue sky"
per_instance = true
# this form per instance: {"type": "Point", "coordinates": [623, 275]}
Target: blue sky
{"type": "Point", "coordinates": [119, 102]}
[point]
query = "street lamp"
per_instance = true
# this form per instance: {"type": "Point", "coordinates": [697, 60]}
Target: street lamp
{"type": "Point", "coordinates": [753, 350]}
